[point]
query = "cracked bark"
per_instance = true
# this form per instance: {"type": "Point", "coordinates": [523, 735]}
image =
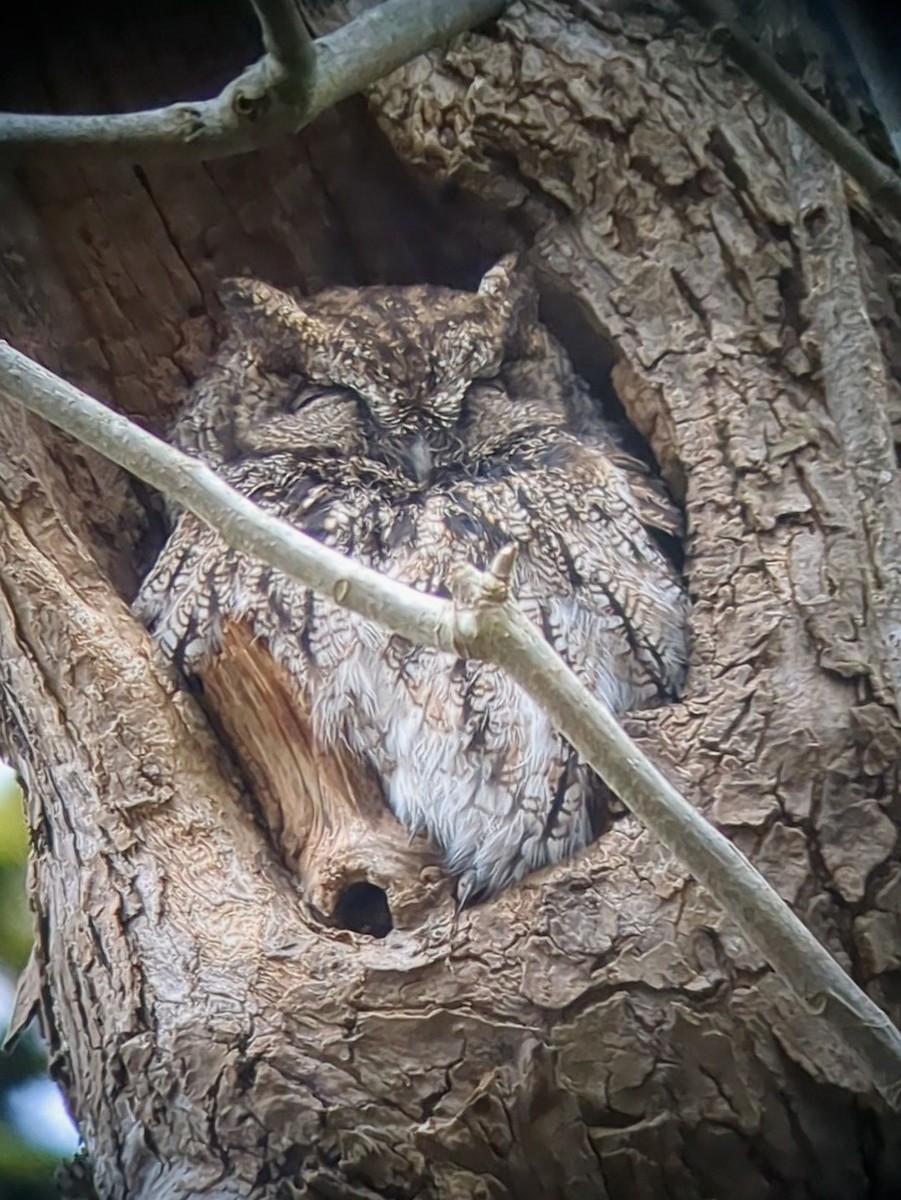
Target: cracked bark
{"type": "Point", "coordinates": [601, 1030]}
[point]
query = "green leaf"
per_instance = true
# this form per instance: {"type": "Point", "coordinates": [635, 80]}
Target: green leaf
{"type": "Point", "coordinates": [13, 831]}
{"type": "Point", "coordinates": [21, 1162]}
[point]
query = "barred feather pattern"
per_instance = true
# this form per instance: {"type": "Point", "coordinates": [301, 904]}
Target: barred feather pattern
{"type": "Point", "coordinates": [418, 429]}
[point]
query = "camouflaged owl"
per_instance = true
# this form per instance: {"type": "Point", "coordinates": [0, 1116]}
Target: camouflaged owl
{"type": "Point", "coordinates": [416, 429]}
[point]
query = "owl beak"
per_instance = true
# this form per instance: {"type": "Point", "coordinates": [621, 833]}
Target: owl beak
{"type": "Point", "coordinates": [419, 456]}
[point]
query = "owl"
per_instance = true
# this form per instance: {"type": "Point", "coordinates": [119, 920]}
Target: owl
{"type": "Point", "coordinates": [417, 429]}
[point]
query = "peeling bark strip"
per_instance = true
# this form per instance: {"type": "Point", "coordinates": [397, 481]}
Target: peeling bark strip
{"type": "Point", "coordinates": [855, 384]}
{"type": "Point", "coordinates": [601, 1030]}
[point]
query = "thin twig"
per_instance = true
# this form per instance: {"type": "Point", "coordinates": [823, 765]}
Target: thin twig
{"type": "Point", "coordinates": [276, 96]}
{"type": "Point", "coordinates": [879, 180]}
{"type": "Point", "coordinates": [285, 36]}
{"type": "Point", "coordinates": [484, 622]}
{"type": "Point", "coordinates": [876, 60]}
{"type": "Point", "coordinates": [287, 41]}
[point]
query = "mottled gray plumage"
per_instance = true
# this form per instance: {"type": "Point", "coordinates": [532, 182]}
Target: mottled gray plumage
{"type": "Point", "coordinates": [416, 429]}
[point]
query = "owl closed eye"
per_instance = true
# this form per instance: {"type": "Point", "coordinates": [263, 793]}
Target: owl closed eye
{"type": "Point", "coordinates": [419, 375]}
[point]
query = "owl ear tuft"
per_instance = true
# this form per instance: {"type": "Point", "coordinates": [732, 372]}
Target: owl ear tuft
{"type": "Point", "coordinates": [250, 299]}
{"type": "Point", "coordinates": [499, 279]}
{"type": "Point", "coordinates": [512, 303]}
{"type": "Point", "coordinates": [271, 320]}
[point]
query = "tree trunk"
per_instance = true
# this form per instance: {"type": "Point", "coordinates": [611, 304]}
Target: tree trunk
{"type": "Point", "coordinates": [602, 1029]}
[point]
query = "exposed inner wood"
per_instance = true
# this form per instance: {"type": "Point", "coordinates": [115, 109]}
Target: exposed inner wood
{"type": "Point", "coordinates": [326, 814]}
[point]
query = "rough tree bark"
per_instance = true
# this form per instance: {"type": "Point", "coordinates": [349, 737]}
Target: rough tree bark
{"type": "Point", "coordinates": [601, 1030]}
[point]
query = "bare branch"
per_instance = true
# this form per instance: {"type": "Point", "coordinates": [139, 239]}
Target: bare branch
{"type": "Point", "coordinates": [290, 85]}
{"type": "Point", "coordinates": [238, 520]}
{"type": "Point", "coordinates": [486, 623]}
{"type": "Point", "coordinates": [387, 36]}
{"type": "Point", "coordinates": [880, 181]}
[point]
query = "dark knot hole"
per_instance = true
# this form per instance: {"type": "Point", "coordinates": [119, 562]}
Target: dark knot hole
{"type": "Point", "coordinates": [363, 908]}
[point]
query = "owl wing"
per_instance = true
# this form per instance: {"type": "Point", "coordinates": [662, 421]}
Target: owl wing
{"type": "Point", "coordinates": [246, 632]}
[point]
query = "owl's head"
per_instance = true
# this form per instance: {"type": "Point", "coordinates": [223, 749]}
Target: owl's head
{"type": "Point", "coordinates": [408, 353]}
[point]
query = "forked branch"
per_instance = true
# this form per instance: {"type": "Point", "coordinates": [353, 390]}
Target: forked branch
{"type": "Point", "coordinates": [485, 622]}
{"type": "Point", "coordinates": [295, 80]}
